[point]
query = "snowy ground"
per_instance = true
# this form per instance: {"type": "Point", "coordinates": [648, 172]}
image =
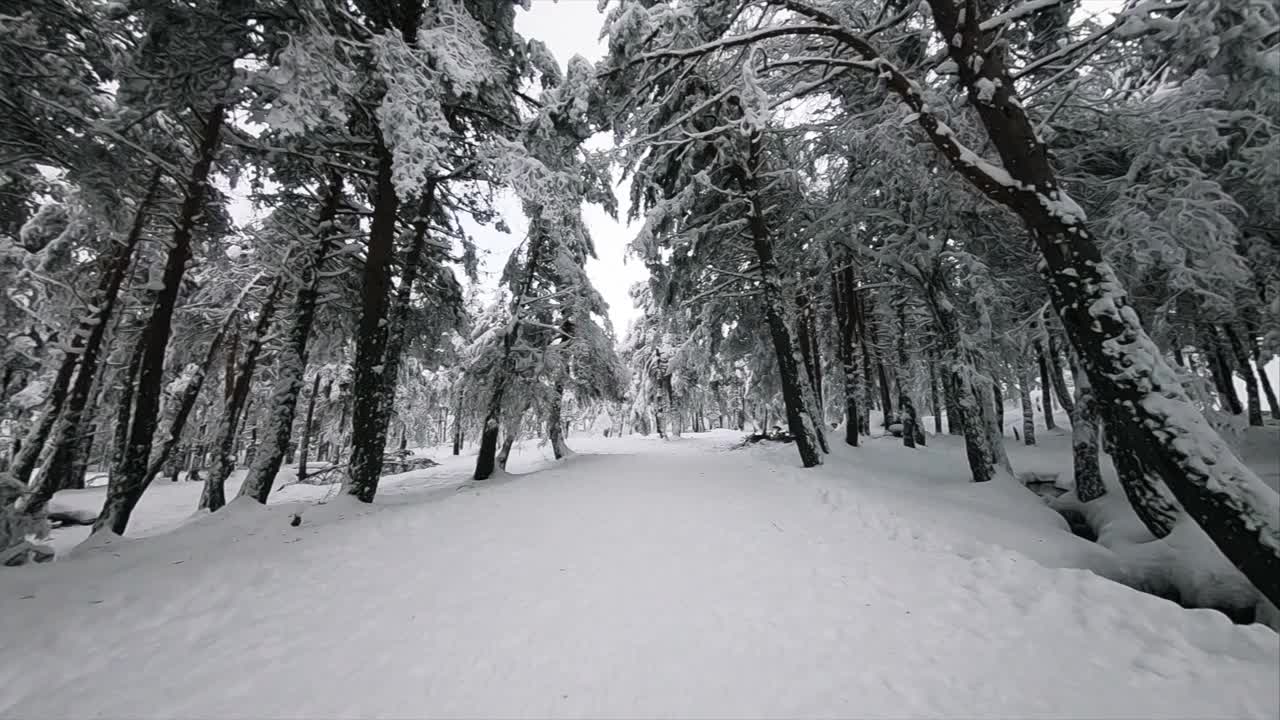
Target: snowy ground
{"type": "Point", "coordinates": [638, 579]}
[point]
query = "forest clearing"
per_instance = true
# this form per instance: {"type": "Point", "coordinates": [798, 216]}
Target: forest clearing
{"type": "Point", "coordinates": [645, 579]}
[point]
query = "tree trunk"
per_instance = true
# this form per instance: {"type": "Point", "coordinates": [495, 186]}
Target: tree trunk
{"type": "Point", "coordinates": [886, 405]}
{"type": "Point", "coordinates": [1265, 381]}
{"type": "Point", "coordinates": [933, 396]}
{"type": "Point", "coordinates": [1028, 412]}
{"type": "Point", "coordinates": [486, 456]}
{"type": "Point", "coordinates": [240, 378]}
{"type": "Point", "coordinates": [371, 406]}
{"type": "Point", "coordinates": [799, 421]}
{"type": "Point", "coordinates": [84, 351]}
{"type": "Point", "coordinates": [291, 361]}
{"type": "Point", "coordinates": [124, 490]}
{"type": "Point", "coordinates": [457, 425]}
{"type": "Point", "coordinates": [1244, 368]}
{"type": "Point", "coordinates": [508, 441]}
{"type": "Point", "coordinates": [998, 404]}
{"type": "Point", "coordinates": [1046, 388]}
{"type": "Point", "coordinates": [806, 337]}
{"type": "Point", "coordinates": [970, 399]}
{"type": "Point", "coordinates": [555, 425]}
{"type": "Point", "coordinates": [843, 289]}
{"type": "Point", "coordinates": [1084, 440]}
{"type": "Point", "coordinates": [307, 429]}
{"type": "Point", "coordinates": [1056, 378]}
{"type": "Point", "coordinates": [907, 414]}
{"type": "Point", "coordinates": [1220, 367]}
{"type": "Point", "coordinates": [187, 400]}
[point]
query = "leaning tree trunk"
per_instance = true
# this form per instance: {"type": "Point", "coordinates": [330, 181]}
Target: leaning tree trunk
{"type": "Point", "coordinates": [90, 337]}
{"type": "Point", "coordinates": [799, 421]}
{"type": "Point", "coordinates": [1244, 368]}
{"type": "Point", "coordinates": [291, 362]}
{"type": "Point", "coordinates": [238, 378]}
{"type": "Point", "coordinates": [83, 351]}
{"type": "Point", "coordinates": [1220, 369]}
{"type": "Point", "coordinates": [1140, 396]}
{"type": "Point", "coordinates": [124, 490]}
{"type": "Point", "coordinates": [187, 400]}
{"type": "Point", "coordinates": [1028, 412]}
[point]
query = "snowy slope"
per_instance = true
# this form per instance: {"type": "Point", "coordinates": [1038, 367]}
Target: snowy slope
{"type": "Point", "coordinates": [669, 579]}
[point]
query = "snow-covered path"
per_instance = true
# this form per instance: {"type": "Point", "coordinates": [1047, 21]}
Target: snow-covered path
{"type": "Point", "coordinates": [671, 580]}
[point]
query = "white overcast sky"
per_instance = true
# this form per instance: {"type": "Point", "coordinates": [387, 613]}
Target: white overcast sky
{"type": "Point", "coordinates": [570, 27]}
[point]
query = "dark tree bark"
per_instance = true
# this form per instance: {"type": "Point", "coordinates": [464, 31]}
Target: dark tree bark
{"type": "Point", "coordinates": [1046, 387]}
{"type": "Point", "coordinates": [84, 353]}
{"type": "Point", "coordinates": [1056, 378]}
{"type": "Point", "coordinates": [187, 400]}
{"type": "Point", "coordinates": [125, 489]}
{"type": "Point", "coordinates": [308, 427]}
{"type": "Point", "coordinates": [457, 425]}
{"type": "Point", "coordinates": [799, 421]}
{"type": "Point", "coordinates": [1028, 412]}
{"type": "Point", "coordinates": [371, 406]}
{"type": "Point", "coordinates": [972, 403]}
{"type": "Point", "coordinates": [555, 423]}
{"type": "Point", "coordinates": [1244, 368]}
{"type": "Point", "coordinates": [907, 413]}
{"type": "Point", "coordinates": [1265, 381]}
{"type": "Point", "coordinates": [998, 404]}
{"type": "Point", "coordinates": [1220, 368]}
{"type": "Point", "coordinates": [886, 405]}
{"type": "Point", "coordinates": [1084, 440]}
{"type": "Point", "coordinates": [933, 396]}
{"type": "Point", "coordinates": [955, 423]}
{"type": "Point", "coordinates": [807, 338]}
{"type": "Point", "coordinates": [291, 361]}
{"type": "Point", "coordinates": [843, 288]}
{"type": "Point", "coordinates": [374, 434]}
